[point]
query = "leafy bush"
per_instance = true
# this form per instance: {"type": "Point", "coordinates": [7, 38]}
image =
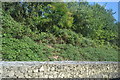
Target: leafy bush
{"type": "Point", "coordinates": [27, 50]}
{"type": "Point", "coordinates": [44, 37]}
{"type": "Point", "coordinates": [103, 53]}
{"type": "Point", "coordinates": [68, 36]}
{"type": "Point", "coordinates": [23, 50]}
{"type": "Point", "coordinates": [70, 52]}
{"type": "Point", "coordinates": [11, 28]}
{"type": "Point", "coordinates": [87, 42]}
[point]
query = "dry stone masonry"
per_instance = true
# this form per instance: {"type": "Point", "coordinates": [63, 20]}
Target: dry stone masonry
{"type": "Point", "coordinates": [59, 69]}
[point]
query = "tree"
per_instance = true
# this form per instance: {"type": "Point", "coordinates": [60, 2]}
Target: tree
{"type": "Point", "coordinates": [93, 21]}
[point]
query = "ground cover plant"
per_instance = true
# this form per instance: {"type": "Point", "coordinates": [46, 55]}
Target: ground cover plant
{"type": "Point", "coordinates": [50, 31]}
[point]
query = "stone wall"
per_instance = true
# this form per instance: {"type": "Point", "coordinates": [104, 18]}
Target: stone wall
{"type": "Point", "coordinates": [59, 69]}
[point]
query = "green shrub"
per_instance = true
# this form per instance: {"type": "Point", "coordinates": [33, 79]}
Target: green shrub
{"type": "Point", "coordinates": [87, 42]}
{"type": "Point", "coordinates": [23, 50]}
{"type": "Point", "coordinates": [70, 52]}
{"type": "Point", "coordinates": [68, 36]}
{"type": "Point", "coordinates": [44, 37]}
{"type": "Point", "coordinates": [11, 28]}
{"type": "Point", "coordinates": [27, 50]}
{"type": "Point", "coordinates": [103, 53]}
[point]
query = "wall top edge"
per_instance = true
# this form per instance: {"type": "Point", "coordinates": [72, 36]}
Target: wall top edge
{"type": "Point", "coordinates": [59, 0]}
{"type": "Point", "coordinates": [55, 62]}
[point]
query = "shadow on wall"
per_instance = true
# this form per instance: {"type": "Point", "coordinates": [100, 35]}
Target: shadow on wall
{"type": "Point", "coordinates": [115, 79]}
